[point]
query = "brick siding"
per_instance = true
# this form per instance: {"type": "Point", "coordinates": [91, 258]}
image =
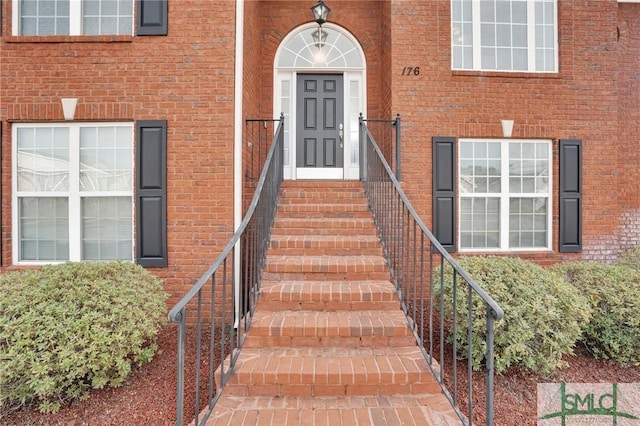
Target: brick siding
{"type": "Point", "coordinates": [187, 78]}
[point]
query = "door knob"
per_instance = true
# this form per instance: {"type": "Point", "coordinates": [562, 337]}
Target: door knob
{"type": "Point", "coordinates": [341, 135]}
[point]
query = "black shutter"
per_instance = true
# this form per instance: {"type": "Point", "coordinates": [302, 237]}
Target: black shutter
{"type": "Point", "coordinates": [444, 191]}
{"type": "Point", "coordinates": [570, 239]}
{"type": "Point", "coordinates": [152, 17]}
{"type": "Point", "coordinates": [151, 197]}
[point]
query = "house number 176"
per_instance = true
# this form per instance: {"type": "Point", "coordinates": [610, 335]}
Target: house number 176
{"type": "Point", "coordinates": [411, 71]}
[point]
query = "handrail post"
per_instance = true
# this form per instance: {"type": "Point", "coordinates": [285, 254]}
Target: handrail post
{"type": "Point", "coordinates": [398, 152]}
{"type": "Point", "coordinates": [489, 367]}
{"type": "Point", "coordinates": [180, 361]}
{"type": "Point", "coordinates": [363, 151]}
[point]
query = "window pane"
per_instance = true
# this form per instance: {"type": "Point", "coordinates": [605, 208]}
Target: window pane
{"type": "Point", "coordinates": [458, 57]}
{"type": "Point", "coordinates": [503, 11]}
{"type": "Point", "coordinates": [528, 222]}
{"type": "Point", "coordinates": [107, 17]}
{"type": "Point", "coordinates": [519, 36]}
{"type": "Point", "coordinates": [503, 35]}
{"type": "Point", "coordinates": [91, 26]}
{"type": "Point", "coordinates": [519, 12]}
{"type": "Point", "coordinates": [479, 167]}
{"type": "Point", "coordinates": [44, 17]}
{"type": "Point", "coordinates": [488, 58]}
{"type": "Point", "coordinates": [488, 35]}
{"type": "Point", "coordinates": [106, 159]}
{"type": "Point", "coordinates": [506, 24]}
{"type": "Point", "coordinates": [487, 11]}
{"type": "Point", "coordinates": [480, 222]}
{"type": "Point", "coordinates": [504, 59]}
{"type": "Point", "coordinates": [107, 228]}
{"type": "Point", "coordinates": [520, 59]}
{"type": "Point", "coordinates": [43, 159]}
{"type": "Point", "coordinates": [461, 34]}
{"type": "Point", "coordinates": [43, 225]}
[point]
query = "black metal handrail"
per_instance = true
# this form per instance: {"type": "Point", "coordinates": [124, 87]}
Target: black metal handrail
{"type": "Point", "coordinates": [388, 141]}
{"type": "Point", "coordinates": [418, 263]}
{"type": "Point", "coordinates": [258, 136]}
{"type": "Point", "coordinates": [223, 300]}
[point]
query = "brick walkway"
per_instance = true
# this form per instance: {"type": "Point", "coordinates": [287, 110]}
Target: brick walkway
{"type": "Point", "coordinates": [329, 344]}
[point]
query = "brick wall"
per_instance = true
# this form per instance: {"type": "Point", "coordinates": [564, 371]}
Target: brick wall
{"type": "Point", "coordinates": [582, 101]}
{"type": "Point", "coordinates": [186, 78]}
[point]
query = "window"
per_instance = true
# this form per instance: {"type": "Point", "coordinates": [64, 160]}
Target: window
{"type": "Point", "coordinates": [73, 17]}
{"type": "Point", "coordinates": [505, 194]}
{"type": "Point", "coordinates": [73, 192]}
{"type": "Point", "coordinates": [504, 35]}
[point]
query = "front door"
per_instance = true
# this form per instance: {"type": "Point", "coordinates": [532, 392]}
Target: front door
{"type": "Point", "coordinates": [320, 127]}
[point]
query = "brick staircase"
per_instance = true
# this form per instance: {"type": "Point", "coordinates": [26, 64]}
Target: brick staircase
{"type": "Point", "coordinates": [329, 343]}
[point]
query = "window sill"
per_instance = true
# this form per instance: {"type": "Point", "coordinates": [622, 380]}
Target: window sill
{"type": "Point", "coordinates": [505, 74]}
{"type": "Point", "coordinates": [70, 39]}
{"type": "Point", "coordinates": [507, 252]}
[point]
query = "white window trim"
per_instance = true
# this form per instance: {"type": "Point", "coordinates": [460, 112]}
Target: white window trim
{"type": "Point", "coordinates": [504, 196]}
{"type": "Point", "coordinates": [75, 19]}
{"type": "Point", "coordinates": [531, 47]}
{"type": "Point", "coordinates": [73, 194]}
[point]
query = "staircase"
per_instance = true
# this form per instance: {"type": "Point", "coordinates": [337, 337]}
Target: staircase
{"type": "Point", "coordinates": [329, 343]}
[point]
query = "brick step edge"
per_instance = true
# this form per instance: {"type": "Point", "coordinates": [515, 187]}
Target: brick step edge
{"type": "Point", "coordinates": [421, 409]}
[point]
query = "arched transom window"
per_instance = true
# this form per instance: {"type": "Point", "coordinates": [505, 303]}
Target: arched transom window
{"type": "Point", "coordinates": [311, 47]}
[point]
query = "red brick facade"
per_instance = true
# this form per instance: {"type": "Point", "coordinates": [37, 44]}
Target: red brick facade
{"type": "Point", "coordinates": [187, 78]}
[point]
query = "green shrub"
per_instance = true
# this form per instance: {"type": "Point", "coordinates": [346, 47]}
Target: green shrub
{"type": "Point", "coordinates": [542, 314]}
{"type": "Point", "coordinates": [614, 292]}
{"type": "Point", "coordinates": [630, 259]}
{"type": "Point", "coordinates": [66, 329]}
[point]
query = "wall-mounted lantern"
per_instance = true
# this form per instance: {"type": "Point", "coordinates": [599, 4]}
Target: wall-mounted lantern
{"type": "Point", "coordinates": [320, 13]}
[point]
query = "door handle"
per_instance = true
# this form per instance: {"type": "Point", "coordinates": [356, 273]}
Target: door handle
{"type": "Point", "coordinates": [341, 135]}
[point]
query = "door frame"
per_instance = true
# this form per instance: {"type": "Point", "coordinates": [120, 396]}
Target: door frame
{"type": "Point", "coordinates": [354, 102]}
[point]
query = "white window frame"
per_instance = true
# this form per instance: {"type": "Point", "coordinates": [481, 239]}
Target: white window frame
{"type": "Point", "coordinates": [531, 40]}
{"type": "Point", "coordinates": [505, 195]}
{"type": "Point", "coordinates": [75, 19]}
{"type": "Point", "coordinates": [73, 194]}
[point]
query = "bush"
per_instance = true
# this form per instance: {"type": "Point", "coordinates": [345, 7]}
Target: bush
{"type": "Point", "coordinates": [630, 259]}
{"type": "Point", "coordinates": [614, 293]}
{"type": "Point", "coordinates": [542, 314]}
{"type": "Point", "coordinates": [66, 329]}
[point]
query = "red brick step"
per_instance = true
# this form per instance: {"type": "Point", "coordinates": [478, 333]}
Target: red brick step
{"type": "Point", "coordinates": [328, 342]}
{"type": "Point", "coordinates": [284, 371]}
{"type": "Point", "coordinates": [329, 329]}
{"type": "Point", "coordinates": [327, 295]}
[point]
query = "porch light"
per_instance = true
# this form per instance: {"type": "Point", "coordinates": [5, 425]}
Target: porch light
{"type": "Point", "coordinates": [320, 13]}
